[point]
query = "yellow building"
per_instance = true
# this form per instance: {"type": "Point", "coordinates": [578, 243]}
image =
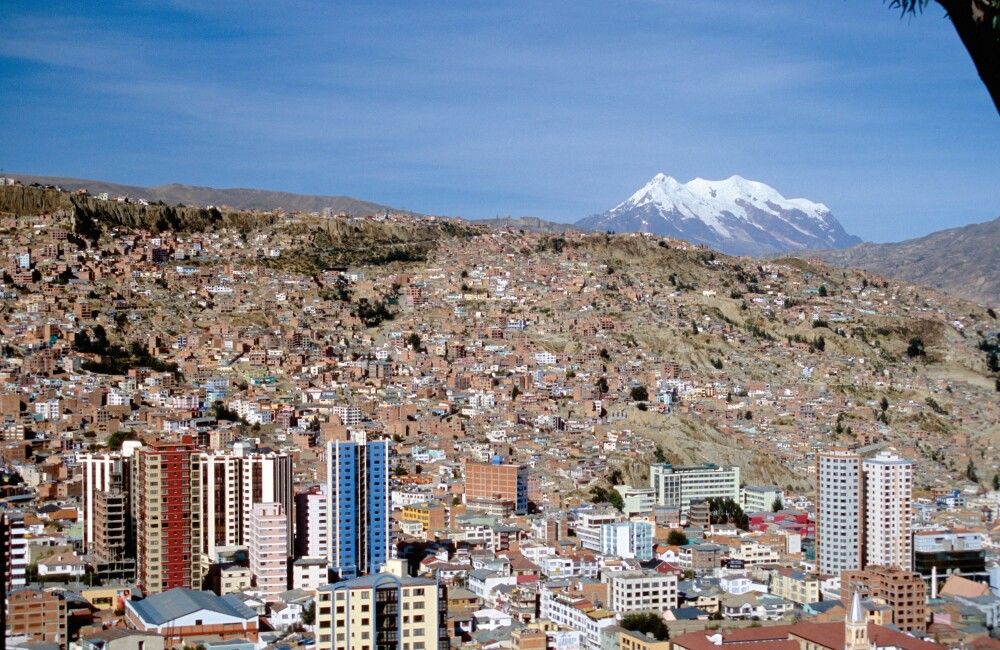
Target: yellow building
{"type": "Point", "coordinates": [376, 610]}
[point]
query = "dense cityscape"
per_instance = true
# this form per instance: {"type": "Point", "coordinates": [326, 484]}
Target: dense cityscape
{"type": "Point", "coordinates": [228, 430]}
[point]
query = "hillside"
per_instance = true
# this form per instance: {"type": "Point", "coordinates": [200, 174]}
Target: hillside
{"type": "Point", "coordinates": [234, 198]}
{"type": "Point", "coordinates": [961, 261]}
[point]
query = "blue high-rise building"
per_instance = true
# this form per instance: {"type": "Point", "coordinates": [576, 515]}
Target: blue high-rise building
{"type": "Point", "coordinates": [357, 490]}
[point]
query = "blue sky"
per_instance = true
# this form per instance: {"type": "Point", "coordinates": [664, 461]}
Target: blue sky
{"type": "Point", "coordinates": [549, 109]}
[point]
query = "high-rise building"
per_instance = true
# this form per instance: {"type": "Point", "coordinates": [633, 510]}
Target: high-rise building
{"type": "Point", "coordinates": [167, 512]}
{"type": "Point", "coordinates": [311, 526]}
{"type": "Point", "coordinates": [888, 510]}
{"type": "Point", "coordinates": [268, 549]}
{"type": "Point", "coordinates": [839, 529]}
{"type": "Point", "coordinates": [678, 486]}
{"type": "Point", "coordinates": [13, 550]}
{"type": "Point", "coordinates": [383, 611]}
{"type": "Point", "coordinates": [232, 483]}
{"type": "Point", "coordinates": [108, 531]}
{"type": "Point", "coordinates": [357, 491]}
{"type": "Point", "coordinates": [496, 484]}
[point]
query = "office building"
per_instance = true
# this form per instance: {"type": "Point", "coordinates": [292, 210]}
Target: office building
{"type": "Point", "coordinates": [382, 611]}
{"type": "Point", "coordinates": [760, 498]}
{"type": "Point", "coordinates": [357, 491]}
{"type": "Point", "coordinates": [678, 486]}
{"type": "Point", "coordinates": [496, 484]}
{"type": "Point", "coordinates": [642, 591]}
{"type": "Point", "coordinates": [630, 540]}
{"type": "Point", "coordinates": [268, 549]}
{"type": "Point", "coordinates": [839, 529]}
{"type": "Point", "coordinates": [636, 500]}
{"type": "Point", "coordinates": [167, 513]}
{"type": "Point", "coordinates": [232, 484]}
{"type": "Point", "coordinates": [949, 553]}
{"type": "Point", "coordinates": [888, 511]}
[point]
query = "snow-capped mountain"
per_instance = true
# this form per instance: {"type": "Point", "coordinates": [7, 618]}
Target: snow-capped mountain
{"type": "Point", "coordinates": [735, 215]}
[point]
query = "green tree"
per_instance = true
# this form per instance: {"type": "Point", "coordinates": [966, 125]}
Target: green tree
{"type": "Point", "coordinates": [309, 613]}
{"type": "Point", "coordinates": [639, 394]}
{"type": "Point", "coordinates": [648, 623]}
{"type": "Point", "coordinates": [970, 472]}
{"type": "Point", "coordinates": [916, 348]}
{"type": "Point", "coordinates": [601, 385]}
{"type": "Point", "coordinates": [658, 455]}
{"type": "Point", "coordinates": [413, 340]}
{"type": "Point", "coordinates": [676, 537]}
{"type": "Point", "coordinates": [727, 511]}
{"type": "Point", "coordinates": [514, 392]}
{"type": "Point", "coordinates": [778, 505]}
{"type": "Point", "coordinates": [996, 481]}
{"type": "Point", "coordinates": [616, 500]}
{"type": "Point", "coordinates": [823, 293]}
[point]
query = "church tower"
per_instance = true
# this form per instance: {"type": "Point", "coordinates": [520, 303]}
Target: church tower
{"type": "Point", "coordinates": [856, 627]}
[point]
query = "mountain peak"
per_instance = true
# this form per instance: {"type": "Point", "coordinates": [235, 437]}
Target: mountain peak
{"type": "Point", "coordinates": [736, 215]}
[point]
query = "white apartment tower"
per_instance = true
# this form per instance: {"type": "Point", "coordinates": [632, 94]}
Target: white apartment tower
{"type": "Point", "coordinates": [888, 501]}
{"type": "Point", "coordinates": [232, 484]}
{"type": "Point", "coordinates": [839, 530]}
{"type": "Point", "coordinates": [268, 549]}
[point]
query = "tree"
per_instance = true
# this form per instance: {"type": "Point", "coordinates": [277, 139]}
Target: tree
{"type": "Point", "coordinates": [309, 613]}
{"type": "Point", "coordinates": [677, 538]}
{"type": "Point", "coordinates": [996, 481]}
{"type": "Point", "coordinates": [727, 511]}
{"type": "Point", "coordinates": [884, 403]}
{"type": "Point", "coordinates": [823, 293]}
{"type": "Point", "coordinates": [514, 392]}
{"type": "Point", "coordinates": [648, 623]}
{"type": "Point", "coordinates": [616, 500]}
{"type": "Point", "coordinates": [970, 472]}
{"type": "Point", "coordinates": [978, 25]}
{"type": "Point", "coordinates": [601, 385]}
{"type": "Point", "coordinates": [778, 505]}
{"type": "Point", "coordinates": [658, 455]}
{"type": "Point", "coordinates": [413, 340]}
{"type": "Point", "coordinates": [639, 394]}
{"type": "Point", "coordinates": [916, 348]}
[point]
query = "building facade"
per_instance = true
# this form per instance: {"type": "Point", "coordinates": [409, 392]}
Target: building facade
{"type": "Point", "coordinates": [903, 591]}
{"type": "Point", "coordinates": [167, 512]}
{"type": "Point", "coordinates": [839, 529]}
{"type": "Point", "coordinates": [232, 484]}
{"type": "Point", "coordinates": [888, 511]}
{"type": "Point", "coordinates": [384, 611]}
{"type": "Point", "coordinates": [268, 549]}
{"type": "Point", "coordinates": [677, 486]}
{"type": "Point", "coordinates": [496, 484]}
{"type": "Point", "coordinates": [357, 492]}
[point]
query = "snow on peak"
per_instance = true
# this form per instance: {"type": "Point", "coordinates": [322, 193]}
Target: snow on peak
{"type": "Point", "coordinates": [707, 200]}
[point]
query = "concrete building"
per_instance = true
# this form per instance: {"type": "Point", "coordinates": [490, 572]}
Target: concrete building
{"type": "Point", "coordinates": [888, 511]}
{"type": "Point", "coordinates": [269, 549]}
{"type": "Point", "coordinates": [13, 551]}
{"type": "Point", "coordinates": [232, 484]}
{"type": "Point", "coordinates": [903, 591]}
{"type": "Point", "coordinates": [677, 486]}
{"type": "Point", "coordinates": [357, 492]}
{"type": "Point", "coordinates": [496, 483]}
{"type": "Point", "coordinates": [167, 514]}
{"type": "Point", "coordinates": [957, 552]}
{"type": "Point", "coordinates": [576, 613]}
{"type": "Point", "coordinates": [642, 591]}
{"type": "Point", "coordinates": [760, 498]}
{"type": "Point", "coordinates": [636, 499]}
{"type": "Point", "coordinates": [839, 529]}
{"type": "Point", "coordinates": [628, 540]}
{"type": "Point", "coordinates": [383, 610]}
{"type": "Point", "coordinates": [312, 534]}
{"type": "Point", "coordinates": [39, 614]}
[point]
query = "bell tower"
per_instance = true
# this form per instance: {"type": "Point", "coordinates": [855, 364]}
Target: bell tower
{"type": "Point", "coordinates": [856, 626]}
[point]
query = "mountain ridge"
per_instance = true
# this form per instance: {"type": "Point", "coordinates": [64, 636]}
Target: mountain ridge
{"type": "Point", "coordinates": [962, 260]}
{"type": "Point", "coordinates": [237, 198]}
{"type": "Point", "coordinates": [735, 215]}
